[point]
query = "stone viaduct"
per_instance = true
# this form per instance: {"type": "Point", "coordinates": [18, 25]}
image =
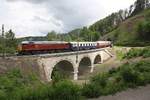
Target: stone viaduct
{"type": "Point", "coordinates": [73, 62]}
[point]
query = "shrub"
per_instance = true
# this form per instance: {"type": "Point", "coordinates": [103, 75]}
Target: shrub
{"type": "Point", "coordinates": [100, 79]}
{"type": "Point", "coordinates": [3, 95]}
{"type": "Point", "coordinates": [133, 53]}
{"type": "Point", "coordinates": [146, 52]}
{"type": "Point", "coordinates": [113, 87]}
{"type": "Point", "coordinates": [66, 90]}
{"type": "Point", "coordinates": [137, 53]}
{"type": "Point", "coordinates": [129, 75]}
{"type": "Point", "coordinates": [144, 30]}
{"type": "Point", "coordinates": [142, 66]}
{"type": "Point", "coordinates": [91, 90]}
{"type": "Point", "coordinates": [119, 55]}
{"type": "Point", "coordinates": [58, 75]}
{"type": "Point", "coordinates": [112, 71]}
{"type": "Point", "coordinates": [39, 93]}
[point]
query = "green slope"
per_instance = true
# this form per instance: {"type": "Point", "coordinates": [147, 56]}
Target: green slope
{"type": "Point", "coordinates": [127, 34]}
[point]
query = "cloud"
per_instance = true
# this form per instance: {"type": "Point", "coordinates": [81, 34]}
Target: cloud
{"type": "Point", "coordinates": [37, 17]}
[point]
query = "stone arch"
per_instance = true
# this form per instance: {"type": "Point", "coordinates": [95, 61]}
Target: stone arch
{"type": "Point", "coordinates": [97, 59]}
{"type": "Point", "coordinates": [84, 66]}
{"type": "Point", "coordinates": [63, 67]}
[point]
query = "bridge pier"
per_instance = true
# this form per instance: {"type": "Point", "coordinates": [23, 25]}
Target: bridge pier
{"type": "Point", "coordinates": [75, 76]}
{"type": "Point", "coordinates": [92, 68]}
{"type": "Point", "coordinates": [76, 71]}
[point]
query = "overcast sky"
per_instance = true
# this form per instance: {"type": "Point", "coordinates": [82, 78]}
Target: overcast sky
{"type": "Point", "coordinates": [38, 17]}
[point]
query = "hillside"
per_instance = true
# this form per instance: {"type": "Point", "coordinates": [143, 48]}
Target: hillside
{"type": "Point", "coordinates": [127, 32]}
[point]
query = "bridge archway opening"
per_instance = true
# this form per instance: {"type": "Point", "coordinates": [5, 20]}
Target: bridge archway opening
{"type": "Point", "coordinates": [62, 70]}
{"type": "Point", "coordinates": [97, 59]}
{"type": "Point", "coordinates": [84, 66]}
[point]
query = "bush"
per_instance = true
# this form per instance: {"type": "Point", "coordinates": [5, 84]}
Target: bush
{"type": "Point", "coordinates": [66, 90]}
{"type": "Point", "coordinates": [144, 30]}
{"type": "Point", "coordinates": [91, 90]}
{"type": "Point", "coordinates": [137, 53]}
{"type": "Point", "coordinates": [112, 71]}
{"type": "Point", "coordinates": [133, 53]}
{"type": "Point", "coordinates": [146, 52]}
{"type": "Point", "coordinates": [142, 66]}
{"type": "Point", "coordinates": [129, 75]}
{"type": "Point", "coordinates": [39, 93]}
{"type": "Point", "coordinates": [113, 87]}
{"type": "Point", "coordinates": [58, 75]}
{"type": "Point", "coordinates": [100, 79]}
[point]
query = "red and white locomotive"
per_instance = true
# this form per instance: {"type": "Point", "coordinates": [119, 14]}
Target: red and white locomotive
{"type": "Point", "coordinates": [38, 47]}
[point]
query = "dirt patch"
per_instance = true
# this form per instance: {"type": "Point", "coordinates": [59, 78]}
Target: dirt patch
{"type": "Point", "coordinates": [141, 93]}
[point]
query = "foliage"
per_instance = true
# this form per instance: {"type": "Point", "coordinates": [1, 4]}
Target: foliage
{"type": "Point", "coordinates": [58, 75]}
{"type": "Point", "coordinates": [137, 53]}
{"type": "Point", "coordinates": [144, 30]}
{"type": "Point", "coordinates": [133, 53]}
{"type": "Point", "coordinates": [100, 79]}
{"type": "Point", "coordinates": [16, 86]}
{"type": "Point", "coordinates": [9, 43]}
{"type": "Point", "coordinates": [119, 54]}
{"type": "Point", "coordinates": [52, 36]}
{"type": "Point", "coordinates": [91, 90]}
{"type": "Point", "coordinates": [129, 75]}
{"type": "Point", "coordinates": [66, 90]}
{"type": "Point", "coordinates": [140, 5]}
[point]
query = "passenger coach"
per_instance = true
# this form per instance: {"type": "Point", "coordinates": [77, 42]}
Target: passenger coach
{"type": "Point", "coordinates": [38, 47]}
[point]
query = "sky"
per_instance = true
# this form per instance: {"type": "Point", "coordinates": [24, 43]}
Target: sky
{"type": "Point", "coordinates": [38, 17]}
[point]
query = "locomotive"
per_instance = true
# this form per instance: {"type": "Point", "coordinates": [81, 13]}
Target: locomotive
{"type": "Point", "coordinates": [40, 47]}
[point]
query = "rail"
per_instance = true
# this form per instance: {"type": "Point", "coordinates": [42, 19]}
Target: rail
{"type": "Point", "coordinates": [55, 54]}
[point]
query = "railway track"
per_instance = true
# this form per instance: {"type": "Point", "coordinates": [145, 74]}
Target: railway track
{"type": "Point", "coordinates": [52, 54]}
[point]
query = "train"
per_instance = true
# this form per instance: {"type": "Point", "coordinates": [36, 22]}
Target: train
{"type": "Point", "coordinates": [40, 47]}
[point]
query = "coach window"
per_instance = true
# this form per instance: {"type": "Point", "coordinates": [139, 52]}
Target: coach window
{"type": "Point", "coordinates": [74, 45]}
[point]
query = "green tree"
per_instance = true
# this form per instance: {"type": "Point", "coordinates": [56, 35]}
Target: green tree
{"type": "Point", "coordinates": [144, 30]}
{"type": "Point", "coordinates": [85, 34]}
{"type": "Point", "coordinates": [10, 42]}
{"type": "Point", "coordinates": [51, 36]}
{"type": "Point", "coordinates": [140, 5]}
{"type": "Point", "coordinates": [10, 35]}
